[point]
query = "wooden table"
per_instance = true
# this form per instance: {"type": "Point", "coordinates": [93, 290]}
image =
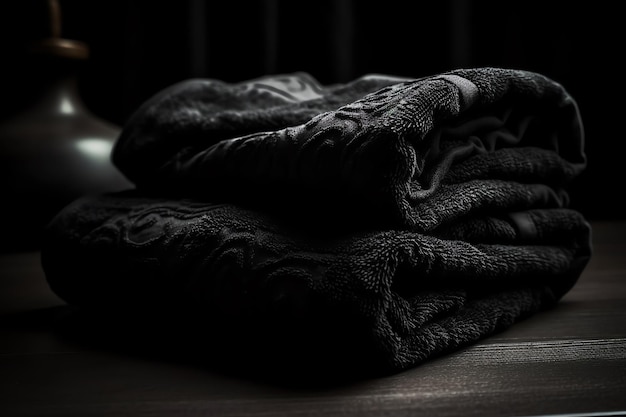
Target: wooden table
{"type": "Point", "coordinates": [569, 361]}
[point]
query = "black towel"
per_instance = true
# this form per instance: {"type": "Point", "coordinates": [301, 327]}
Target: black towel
{"type": "Point", "coordinates": [373, 224]}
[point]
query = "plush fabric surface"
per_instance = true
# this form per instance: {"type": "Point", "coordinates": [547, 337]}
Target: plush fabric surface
{"type": "Point", "coordinates": [368, 225]}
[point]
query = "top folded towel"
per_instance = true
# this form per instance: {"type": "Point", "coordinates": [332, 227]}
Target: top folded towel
{"type": "Point", "coordinates": [385, 152]}
{"type": "Point", "coordinates": [379, 222]}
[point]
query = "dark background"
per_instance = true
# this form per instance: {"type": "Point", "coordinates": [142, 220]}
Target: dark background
{"type": "Point", "coordinates": [139, 47]}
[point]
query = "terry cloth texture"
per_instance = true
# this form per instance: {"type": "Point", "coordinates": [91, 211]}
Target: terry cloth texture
{"type": "Point", "coordinates": [373, 224]}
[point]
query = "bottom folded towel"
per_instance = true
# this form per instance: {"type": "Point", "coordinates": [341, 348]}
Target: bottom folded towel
{"type": "Point", "coordinates": [380, 300]}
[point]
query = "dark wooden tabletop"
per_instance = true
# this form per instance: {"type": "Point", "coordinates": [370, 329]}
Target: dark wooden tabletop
{"type": "Point", "coordinates": [569, 361]}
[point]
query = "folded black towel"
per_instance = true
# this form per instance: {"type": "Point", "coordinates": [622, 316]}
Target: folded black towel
{"type": "Point", "coordinates": [376, 223]}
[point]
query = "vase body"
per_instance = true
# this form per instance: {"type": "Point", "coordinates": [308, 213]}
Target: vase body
{"type": "Point", "coordinates": [51, 153]}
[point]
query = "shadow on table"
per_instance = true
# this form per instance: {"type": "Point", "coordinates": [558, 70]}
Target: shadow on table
{"type": "Point", "coordinates": [167, 339]}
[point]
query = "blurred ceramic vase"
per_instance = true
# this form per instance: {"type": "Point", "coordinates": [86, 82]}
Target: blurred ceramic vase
{"type": "Point", "coordinates": [54, 151]}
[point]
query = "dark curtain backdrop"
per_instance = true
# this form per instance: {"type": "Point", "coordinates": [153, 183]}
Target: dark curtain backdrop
{"type": "Point", "coordinates": [140, 46]}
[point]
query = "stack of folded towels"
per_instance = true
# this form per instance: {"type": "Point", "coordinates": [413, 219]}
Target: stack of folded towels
{"type": "Point", "coordinates": [368, 225]}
